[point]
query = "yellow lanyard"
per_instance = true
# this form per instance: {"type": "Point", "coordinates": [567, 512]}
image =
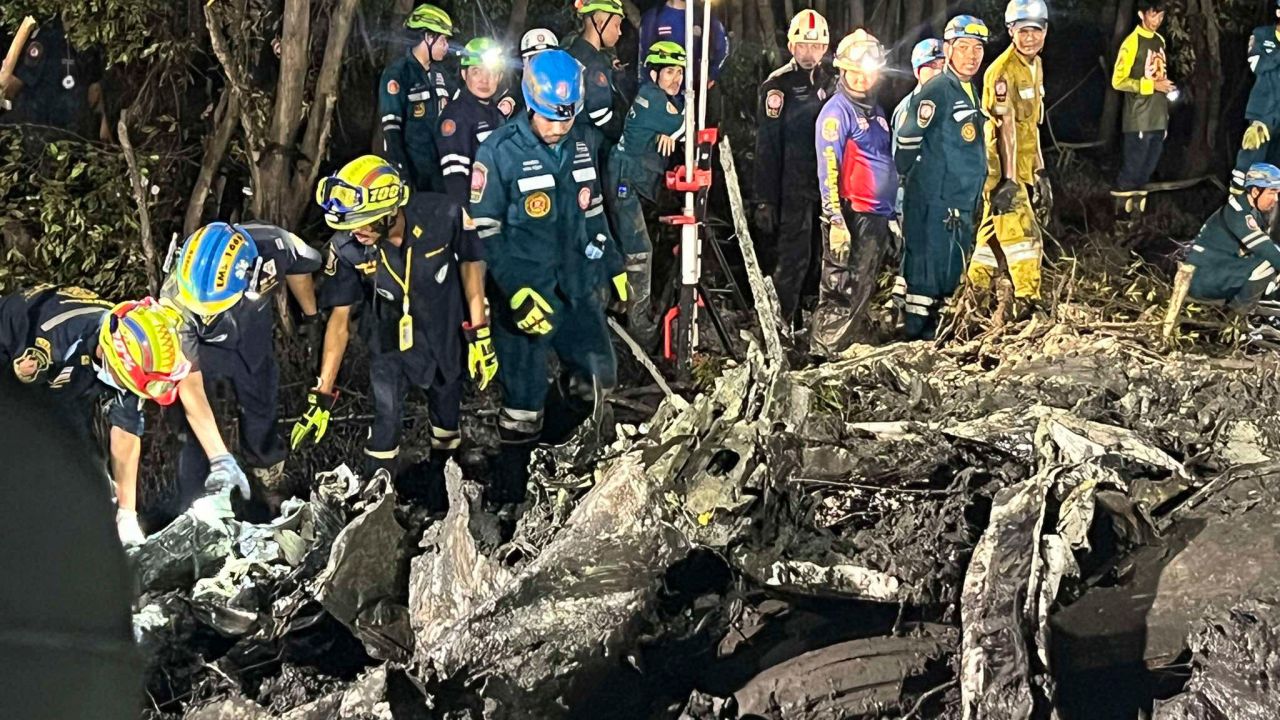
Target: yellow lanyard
{"type": "Point", "coordinates": [406, 320]}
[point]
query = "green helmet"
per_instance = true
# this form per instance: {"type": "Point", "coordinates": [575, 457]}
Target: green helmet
{"type": "Point", "coordinates": [430, 18]}
{"type": "Point", "coordinates": [586, 7]}
{"type": "Point", "coordinates": [664, 53]}
{"type": "Point", "coordinates": [483, 51]}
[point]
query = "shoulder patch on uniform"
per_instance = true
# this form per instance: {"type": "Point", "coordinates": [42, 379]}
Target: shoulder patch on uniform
{"type": "Point", "coordinates": [924, 113]}
{"type": "Point", "coordinates": [584, 198]}
{"type": "Point", "coordinates": [393, 87]}
{"type": "Point", "coordinates": [773, 102]}
{"type": "Point", "coordinates": [448, 128]}
{"type": "Point", "coordinates": [506, 106]}
{"type": "Point", "coordinates": [601, 79]}
{"type": "Point", "coordinates": [1251, 222]}
{"type": "Point", "coordinates": [1002, 90]}
{"type": "Point", "coordinates": [642, 101]}
{"type": "Point", "coordinates": [35, 50]}
{"type": "Point", "coordinates": [479, 178]}
{"type": "Point", "coordinates": [831, 129]}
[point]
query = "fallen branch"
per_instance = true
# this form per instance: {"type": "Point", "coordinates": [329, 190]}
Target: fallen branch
{"type": "Point", "coordinates": [640, 356]}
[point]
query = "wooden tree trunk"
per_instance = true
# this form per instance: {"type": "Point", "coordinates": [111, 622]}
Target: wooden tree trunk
{"type": "Point", "coordinates": [519, 14]}
{"type": "Point", "coordinates": [1203, 86]}
{"type": "Point", "coordinates": [857, 13]}
{"type": "Point", "coordinates": [938, 17]}
{"type": "Point", "coordinates": [737, 23]}
{"type": "Point", "coordinates": [1124, 20]}
{"type": "Point", "coordinates": [768, 28]}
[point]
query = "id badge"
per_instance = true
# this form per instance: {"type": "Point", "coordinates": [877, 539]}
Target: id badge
{"type": "Point", "coordinates": [406, 332]}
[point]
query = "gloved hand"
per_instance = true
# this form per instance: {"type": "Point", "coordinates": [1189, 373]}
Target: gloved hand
{"type": "Point", "coordinates": [319, 406]}
{"type": "Point", "coordinates": [839, 239]}
{"type": "Point", "coordinates": [224, 473]}
{"type": "Point", "coordinates": [1003, 197]}
{"type": "Point", "coordinates": [952, 222]}
{"type": "Point", "coordinates": [482, 361]}
{"type": "Point", "coordinates": [533, 313]}
{"type": "Point", "coordinates": [895, 240]}
{"type": "Point", "coordinates": [1042, 198]}
{"type": "Point", "coordinates": [621, 287]}
{"type": "Point", "coordinates": [766, 217]}
{"type": "Point", "coordinates": [311, 330]}
{"type": "Point", "coordinates": [1256, 136]}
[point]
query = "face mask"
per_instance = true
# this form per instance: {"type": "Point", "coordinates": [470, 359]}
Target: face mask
{"type": "Point", "coordinates": [105, 376]}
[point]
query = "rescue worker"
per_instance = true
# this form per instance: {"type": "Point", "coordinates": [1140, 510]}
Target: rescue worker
{"type": "Point", "coordinates": [414, 90]}
{"type": "Point", "coordinates": [858, 184]}
{"type": "Point", "coordinates": [786, 198]}
{"type": "Point", "coordinates": [636, 169]}
{"type": "Point", "coordinates": [1263, 108]}
{"type": "Point", "coordinates": [414, 263]}
{"type": "Point", "coordinates": [55, 85]}
{"type": "Point", "coordinates": [666, 22]}
{"type": "Point", "coordinates": [223, 281]}
{"type": "Point", "coordinates": [85, 351]}
{"type": "Point", "coordinates": [1016, 187]}
{"type": "Point", "coordinates": [531, 43]}
{"type": "Point", "coordinates": [941, 155]}
{"type": "Point", "coordinates": [538, 205]}
{"type": "Point", "coordinates": [470, 119]}
{"type": "Point", "coordinates": [537, 40]}
{"type": "Point", "coordinates": [1141, 73]}
{"type": "Point", "coordinates": [606, 107]}
{"type": "Point", "coordinates": [1234, 257]}
{"type": "Point", "coordinates": [927, 62]}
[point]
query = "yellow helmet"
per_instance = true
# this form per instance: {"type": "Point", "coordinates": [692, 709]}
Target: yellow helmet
{"type": "Point", "coordinates": [142, 350]}
{"type": "Point", "coordinates": [808, 27]}
{"type": "Point", "coordinates": [363, 192]}
{"type": "Point", "coordinates": [860, 51]}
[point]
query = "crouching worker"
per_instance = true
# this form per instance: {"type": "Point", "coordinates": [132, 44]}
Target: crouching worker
{"type": "Point", "coordinates": [1234, 258]}
{"type": "Point", "coordinates": [86, 351]}
{"type": "Point", "coordinates": [637, 166]}
{"type": "Point", "coordinates": [416, 266]}
{"type": "Point", "coordinates": [539, 208]}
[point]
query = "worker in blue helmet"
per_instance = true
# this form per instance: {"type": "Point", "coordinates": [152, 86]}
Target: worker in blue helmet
{"type": "Point", "coordinates": [538, 204]}
{"type": "Point", "coordinates": [222, 281]}
{"type": "Point", "coordinates": [927, 62]}
{"type": "Point", "coordinates": [1234, 256]}
{"type": "Point", "coordinates": [942, 156]}
{"type": "Point", "coordinates": [1263, 108]}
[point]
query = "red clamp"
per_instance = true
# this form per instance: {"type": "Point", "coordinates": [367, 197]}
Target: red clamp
{"type": "Point", "coordinates": [709, 136]}
{"type": "Point", "coordinates": [678, 220]}
{"type": "Point", "coordinates": [669, 327]}
{"type": "Point", "coordinates": [677, 183]}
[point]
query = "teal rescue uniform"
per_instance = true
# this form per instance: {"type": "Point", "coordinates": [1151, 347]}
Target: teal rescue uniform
{"type": "Point", "coordinates": [1264, 100]}
{"type": "Point", "coordinates": [410, 100]}
{"type": "Point", "coordinates": [942, 156]}
{"type": "Point", "coordinates": [605, 106]}
{"type": "Point", "coordinates": [1234, 257]}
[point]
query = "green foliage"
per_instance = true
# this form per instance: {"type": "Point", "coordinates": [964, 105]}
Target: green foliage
{"type": "Point", "coordinates": [125, 30]}
{"type": "Point", "coordinates": [69, 217]}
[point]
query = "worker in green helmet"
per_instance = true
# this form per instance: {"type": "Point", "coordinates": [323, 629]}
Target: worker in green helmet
{"type": "Point", "coordinates": [470, 119]}
{"type": "Point", "coordinates": [594, 49]}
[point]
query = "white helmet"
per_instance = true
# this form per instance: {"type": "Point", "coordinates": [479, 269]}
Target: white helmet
{"type": "Point", "coordinates": [537, 40]}
{"type": "Point", "coordinates": [1027, 12]}
{"type": "Point", "coordinates": [808, 27]}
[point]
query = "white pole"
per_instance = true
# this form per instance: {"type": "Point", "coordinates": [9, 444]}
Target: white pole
{"type": "Point", "coordinates": [705, 65]}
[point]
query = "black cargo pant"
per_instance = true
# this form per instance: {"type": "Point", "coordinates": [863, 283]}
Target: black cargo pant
{"type": "Point", "coordinates": [798, 250]}
{"type": "Point", "coordinates": [846, 287]}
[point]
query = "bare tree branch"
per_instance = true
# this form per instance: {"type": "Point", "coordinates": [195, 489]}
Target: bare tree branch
{"type": "Point", "coordinates": [140, 197]}
{"type": "Point", "coordinates": [226, 118]}
{"type": "Point", "coordinates": [240, 87]}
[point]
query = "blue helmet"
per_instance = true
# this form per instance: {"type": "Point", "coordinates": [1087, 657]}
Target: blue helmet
{"type": "Point", "coordinates": [1263, 175]}
{"type": "Point", "coordinates": [925, 52]}
{"type": "Point", "coordinates": [966, 26]}
{"type": "Point", "coordinates": [214, 269]}
{"type": "Point", "coordinates": [553, 86]}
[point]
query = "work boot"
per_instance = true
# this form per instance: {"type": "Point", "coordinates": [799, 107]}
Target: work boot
{"type": "Point", "coordinates": [128, 528]}
{"type": "Point", "coordinates": [423, 483]}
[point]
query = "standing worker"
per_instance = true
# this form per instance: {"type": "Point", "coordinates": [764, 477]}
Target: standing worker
{"type": "Point", "coordinates": [470, 119]}
{"type": "Point", "coordinates": [606, 108]}
{"type": "Point", "coordinates": [223, 282]}
{"type": "Point", "coordinates": [636, 168]}
{"type": "Point", "coordinates": [941, 154]}
{"type": "Point", "coordinates": [1263, 109]}
{"type": "Point", "coordinates": [1141, 73]}
{"type": "Point", "coordinates": [786, 198]}
{"type": "Point", "coordinates": [667, 22]}
{"type": "Point", "coordinates": [1017, 187]}
{"type": "Point", "coordinates": [414, 91]}
{"type": "Point", "coordinates": [415, 264]}
{"type": "Point", "coordinates": [539, 207]}
{"type": "Point", "coordinates": [927, 62]}
{"type": "Point", "coordinates": [859, 186]}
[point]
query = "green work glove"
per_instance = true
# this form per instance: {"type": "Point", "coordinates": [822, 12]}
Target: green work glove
{"type": "Point", "coordinates": [621, 287]}
{"type": "Point", "coordinates": [1256, 136]}
{"type": "Point", "coordinates": [533, 313]}
{"type": "Point", "coordinates": [840, 241]}
{"type": "Point", "coordinates": [316, 418]}
{"type": "Point", "coordinates": [482, 361]}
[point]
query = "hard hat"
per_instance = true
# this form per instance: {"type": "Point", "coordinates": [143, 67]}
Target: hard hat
{"type": "Point", "coordinates": [666, 53]}
{"type": "Point", "coordinates": [1034, 13]}
{"type": "Point", "coordinates": [860, 51]}
{"type": "Point", "coordinates": [429, 18]}
{"type": "Point", "coordinates": [808, 27]}
{"type": "Point", "coordinates": [483, 52]}
{"type": "Point", "coordinates": [925, 52]}
{"type": "Point", "coordinates": [363, 192]}
{"type": "Point", "coordinates": [142, 351]}
{"type": "Point", "coordinates": [966, 26]}
{"type": "Point", "coordinates": [1263, 175]}
{"type": "Point", "coordinates": [537, 40]}
{"type": "Point", "coordinates": [213, 269]}
{"type": "Point", "coordinates": [586, 7]}
{"type": "Point", "coordinates": [553, 85]}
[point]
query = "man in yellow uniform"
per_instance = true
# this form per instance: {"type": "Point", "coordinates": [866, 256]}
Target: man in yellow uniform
{"type": "Point", "coordinates": [1016, 187]}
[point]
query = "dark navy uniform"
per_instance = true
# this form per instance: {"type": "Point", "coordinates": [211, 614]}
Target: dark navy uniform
{"type": "Point", "coordinates": [942, 155]}
{"type": "Point", "coordinates": [55, 83]}
{"type": "Point", "coordinates": [464, 124]}
{"type": "Point", "coordinates": [1264, 99]}
{"type": "Point", "coordinates": [1234, 257]}
{"type": "Point", "coordinates": [605, 107]}
{"type": "Point", "coordinates": [59, 327]}
{"type": "Point", "coordinates": [437, 236]}
{"type": "Point", "coordinates": [410, 100]}
{"type": "Point", "coordinates": [786, 165]}
{"type": "Point", "coordinates": [237, 347]}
